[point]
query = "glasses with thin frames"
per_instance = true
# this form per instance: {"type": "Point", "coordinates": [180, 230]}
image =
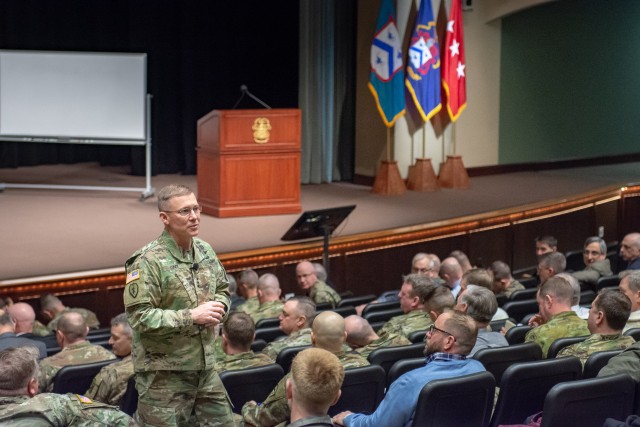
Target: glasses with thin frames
{"type": "Point", "coordinates": [434, 328]}
{"type": "Point", "coordinates": [185, 212]}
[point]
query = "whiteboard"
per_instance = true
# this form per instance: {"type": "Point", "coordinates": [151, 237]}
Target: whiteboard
{"type": "Point", "coordinates": [69, 95]}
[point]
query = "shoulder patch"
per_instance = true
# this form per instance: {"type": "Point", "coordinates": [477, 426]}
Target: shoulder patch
{"type": "Point", "coordinates": [83, 399]}
{"type": "Point", "coordinates": [134, 275]}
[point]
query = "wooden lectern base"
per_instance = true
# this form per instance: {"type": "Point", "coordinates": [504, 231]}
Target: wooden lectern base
{"type": "Point", "coordinates": [422, 176]}
{"type": "Point", "coordinates": [388, 180]}
{"type": "Point", "coordinates": [453, 174]}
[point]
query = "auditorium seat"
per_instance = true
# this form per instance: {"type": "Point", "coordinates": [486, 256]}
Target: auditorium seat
{"type": "Point", "coordinates": [575, 261]}
{"type": "Point", "coordinates": [258, 345]}
{"type": "Point", "coordinates": [464, 401]}
{"type": "Point", "coordinates": [518, 309]}
{"type": "Point", "coordinates": [387, 356]}
{"type": "Point", "coordinates": [497, 360]}
{"type": "Point", "coordinates": [561, 343]}
{"type": "Point", "coordinates": [286, 355]}
{"type": "Point", "coordinates": [382, 316]}
{"type": "Point", "coordinates": [633, 332]}
{"type": "Point", "coordinates": [269, 334]}
{"type": "Point", "coordinates": [355, 301]}
{"type": "Point", "coordinates": [269, 322]}
{"type": "Point", "coordinates": [345, 310]}
{"type": "Point", "coordinates": [597, 361]}
{"type": "Point", "coordinates": [379, 306]}
{"type": "Point", "coordinates": [77, 378]}
{"type": "Point", "coordinates": [244, 385]}
{"type": "Point", "coordinates": [516, 334]}
{"type": "Point", "coordinates": [403, 366]}
{"type": "Point", "coordinates": [417, 336]}
{"type": "Point", "coordinates": [362, 390]}
{"type": "Point", "coordinates": [129, 402]}
{"type": "Point", "coordinates": [524, 294]}
{"type": "Point", "coordinates": [607, 282]}
{"type": "Point", "coordinates": [587, 297]}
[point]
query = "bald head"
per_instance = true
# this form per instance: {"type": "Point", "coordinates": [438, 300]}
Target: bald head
{"type": "Point", "coordinates": [24, 316]}
{"type": "Point", "coordinates": [630, 247]}
{"type": "Point", "coordinates": [359, 331]}
{"type": "Point", "coordinates": [72, 327]}
{"type": "Point", "coordinates": [328, 331]}
{"type": "Point", "coordinates": [450, 271]}
{"type": "Point", "coordinates": [268, 288]}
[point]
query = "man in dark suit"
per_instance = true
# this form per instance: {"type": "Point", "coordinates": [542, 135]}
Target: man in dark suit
{"type": "Point", "coordinates": [8, 338]}
{"type": "Point", "coordinates": [24, 319]}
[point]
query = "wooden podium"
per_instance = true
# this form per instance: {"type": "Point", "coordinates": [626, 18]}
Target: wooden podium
{"type": "Point", "coordinates": [249, 162]}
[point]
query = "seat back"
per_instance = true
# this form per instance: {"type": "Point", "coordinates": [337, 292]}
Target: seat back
{"type": "Point", "coordinates": [561, 343]}
{"type": "Point", "coordinates": [258, 345]}
{"type": "Point", "coordinates": [524, 294]}
{"type": "Point", "coordinates": [354, 301]}
{"type": "Point", "coordinates": [530, 282]}
{"type": "Point", "coordinates": [379, 306]}
{"type": "Point", "coordinates": [462, 402]}
{"type": "Point", "coordinates": [575, 261]}
{"type": "Point", "coordinates": [524, 386]}
{"type": "Point", "coordinates": [387, 356]}
{"type": "Point", "coordinates": [516, 334]}
{"type": "Point", "coordinates": [403, 366]}
{"type": "Point", "coordinates": [269, 334]}
{"type": "Point", "coordinates": [497, 360]}
{"type": "Point", "coordinates": [268, 322]}
{"type": "Point", "coordinates": [587, 297]}
{"type": "Point", "coordinates": [286, 355]}
{"type": "Point", "coordinates": [362, 390]}
{"type": "Point", "coordinates": [129, 402]}
{"type": "Point", "coordinates": [77, 378]}
{"type": "Point", "coordinates": [417, 336]}
{"type": "Point", "coordinates": [345, 310]}
{"type": "Point", "coordinates": [383, 315]}
{"type": "Point", "coordinates": [518, 309]}
{"type": "Point", "coordinates": [607, 282]}
{"type": "Point", "coordinates": [633, 332]}
{"type": "Point", "coordinates": [589, 402]}
{"type": "Point", "coordinates": [597, 361]}
{"type": "Point", "coordinates": [244, 385]}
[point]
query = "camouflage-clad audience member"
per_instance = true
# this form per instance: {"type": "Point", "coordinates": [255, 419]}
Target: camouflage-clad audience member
{"type": "Point", "coordinates": [317, 290]}
{"type": "Point", "coordinates": [238, 332]}
{"type": "Point", "coordinates": [362, 338]}
{"type": "Point", "coordinates": [52, 308]}
{"type": "Point", "coordinates": [295, 321]}
{"type": "Point", "coordinates": [248, 286]}
{"type": "Point", "coordinates": [630, 286]}
{"type": "Point", "coordinates": [20, 406]}
{"type": "Point", "coordinates": [503, 281]}
{"type": "Point", "coordinates": [329, 334]}
{"type": "Point", "coordinates": [413, 293]}
{"type": "Point", "coordinates": [76, 350]}
{"type": "Point", "coordinates": [554, 301]}
{"type": "Point", "coordinates": [110, 384]}
{"type": "Point", "coordinates": [269, 298]}
{"type": "Point", "coordinates": [608, 315]}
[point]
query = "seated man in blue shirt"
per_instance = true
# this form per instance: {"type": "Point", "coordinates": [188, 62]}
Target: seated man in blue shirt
{"type": "Point", "coordinates": [449, 341]}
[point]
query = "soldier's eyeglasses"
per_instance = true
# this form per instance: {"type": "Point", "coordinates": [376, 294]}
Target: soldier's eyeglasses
{"type": "Point", "coordinates": [185, 212]}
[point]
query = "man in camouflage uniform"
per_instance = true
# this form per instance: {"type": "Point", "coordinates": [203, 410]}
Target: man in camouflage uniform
{"type": "Point", "coordinates": [176, 293]}
{"type": "Point", "coordinates": [362, 338]}
{"type": "Point", "coordinates": [630, 286]}
{"type": "Point", "coordinates": [504, 283]}
{"type": "Point", "coordinates": [317, 290]}
{"type": "Point", "coordinates": [295, 321]}
{"type": "Point", "coordinates": [248, 285]}
{"type": "Point", "coordinates": [76, 350]}
{"type": "Point", "coordinates": [608, 314]}
{"type": "Point", "coordinates": [269, 298]}
{"type": "Point", "coordinates": [413, 294]}
{"type": "Point", "coordinates": [554, 301]}
{"type": "Point", "coordinates": [20, 405]}
{"type": "Point", "coordinates": [52, 308]}
{"type": "Point", "coordinates": [238, 332]}
{"type": "Point", "coordinates": [594, 256]}
{"type": "Point", "coordinates": [110, 384]}
{"type": "Point", "coordinates": [327, 333]}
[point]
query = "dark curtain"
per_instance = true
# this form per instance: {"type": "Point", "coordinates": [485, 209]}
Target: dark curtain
{"type": "Point", "coordinates": [199, 52]}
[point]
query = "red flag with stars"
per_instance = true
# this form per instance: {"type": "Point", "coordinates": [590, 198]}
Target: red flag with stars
{"type": "Point", "coordinates": [454, 80]}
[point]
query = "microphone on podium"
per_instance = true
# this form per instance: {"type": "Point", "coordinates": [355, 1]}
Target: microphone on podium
{"type": "Point", "coordinates": [245, 91]}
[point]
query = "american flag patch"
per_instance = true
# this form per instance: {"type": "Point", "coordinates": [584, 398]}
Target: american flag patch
{"type": "Point", "coordinates": [134, 275]}
{"type": "Point", "coordinates": [83, 399]}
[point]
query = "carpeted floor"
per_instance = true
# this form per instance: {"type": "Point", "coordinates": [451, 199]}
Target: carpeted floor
{"type": "Point", "coordinates": [64, 231]}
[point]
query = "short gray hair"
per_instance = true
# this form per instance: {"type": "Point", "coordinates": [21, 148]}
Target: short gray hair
{"type": "Point", "coordinates": [481, 303]}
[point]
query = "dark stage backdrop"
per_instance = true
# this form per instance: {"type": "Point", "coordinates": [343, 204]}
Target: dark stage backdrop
{"type": "Point", "coordinates": [199, 52]}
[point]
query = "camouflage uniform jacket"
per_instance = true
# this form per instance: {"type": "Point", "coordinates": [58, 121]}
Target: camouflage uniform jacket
{"type": "Point", "coordinates": [633, 321]}
{"type": "Point", "coordinates": [40, 330]}
{"type": "Point", "coordinates": [565, 324]}
{"type": "Point", "coordinates": [275, 410]}
{"type": "Point", "coordinates": [249, 359]}
{"type": "Point", "coordinates": [513, 286]}
{"type": "Point", "coordinates": [111, 382]}
{"type": "Point", "coordinates": [298, 338]}
{"type": "Point", "coordinates": [405, 324]}
{"type": "Point", "coordinates": [386, 340]}
{"type": "Point", "coordinates": [267, 310]}
{"type": "Point", "coordinates": [89, 317]}
{"type": "Point", "coordinates": [593, 272]}
{"type": "Point", "coordinates": [74, 354]}
{"type": "Point", "coordinates": [161, 289]}
{"type": "Point", "coordinates": [60, 410]}
{"type": "Point", "coordinates": [321, 293]}
{"type": "Point", "coordinates": [594, 343]}
{"type": "Point", "coordinates": [249, 306]}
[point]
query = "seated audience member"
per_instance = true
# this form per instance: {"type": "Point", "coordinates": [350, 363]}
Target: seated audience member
{"type": "Point", "coordinates": [608, 315]}
{"type": "Point", "coordinates": [630, 286]}
{"type": "Point", "coordinates": [27, 326]}
{"type": "Point", "coordinates": [52, 308]}
{"type": "Point", "coordinates": [480, 304]}
{"type": "Point", "coordinates": [8, 337]}
{"type": "Point", "coordinates": [451, 273]}
{"type": "Point", "coordinates": [110, 384]}
{"type": "Point", "coordinates": [314, 386]}
{"type": "Point", "coordinates": [448, 343]}
{"type": "Point", "coordinates": [463, 260]}
{"type": "Point", "coordinates": [248, 287]}
{"type": "Point", "coordinates": [503, 281]}
{"type": "Point", "coordinates": [630, 251]}
{"type": "Point", "coordinates": [551, 264]}
{"type": "Point", "coordinates": [422, 263]}
{"type": "Point", "coordinates": [627, 362]}
{"type": "Point", "coordinates": [545, 245]}
{"type": "Point", "coordinates": [413, 292]}
{"type": "Point", "coordinates": [594, 256]}
{"type": "Point", "coordinates": [483, 278]}
{"type": "Point", "coordinates": [582, 312]}
{"type": "Point", "coordinates": [554, 302]}
{"type": "Point", "coordinates": [21, 405]}
{"type": "Point", "coordinates": [269, 298]}
{"type": "Point", "coordinates": [76, 350]}
{"type": "Point", "coordinates": [236, 299]}
{"type": "Point", "coordinates": [316, 289]}
{"type": "Point", "coordinates": [362, 338]}
{"type": "Point", "coordinates": [321, 274]}
{"type": "Point", "coordinates": [238, 332]}
{"type": "Point", "coordinates": [439, 300]}
{"type": "Point", "coordinates": [295, 321]}
{"type": "Point", "coordinates": [327, 333]}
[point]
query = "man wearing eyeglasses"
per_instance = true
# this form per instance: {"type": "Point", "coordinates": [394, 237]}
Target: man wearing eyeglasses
{"type": "Point", "coordinates": [176, 293]}
{"type": "Point", "coordinates": [449, 341]}
{"type": "Point", "coordinates": [594, 256]}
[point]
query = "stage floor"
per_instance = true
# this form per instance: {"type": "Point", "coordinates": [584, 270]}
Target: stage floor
{"type": "Point", "coordinates": [47, 232]}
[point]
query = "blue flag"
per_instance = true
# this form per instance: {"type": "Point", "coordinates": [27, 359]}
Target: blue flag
{"type": "Point", "coordinates": [423, 70]}
{"type": "Point", "coordinates": [387, 73]}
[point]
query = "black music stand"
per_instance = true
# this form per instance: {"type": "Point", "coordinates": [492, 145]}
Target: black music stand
{"type": "Point", "coordinates": [318, 223]}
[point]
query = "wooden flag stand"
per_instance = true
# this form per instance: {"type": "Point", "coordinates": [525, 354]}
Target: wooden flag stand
{"type": "Point", "coordinates": [453, 174]}
{"type": "Point", "coordinates": [388, 180]}
{"type": "Point", "coordinates": [422, 177]}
